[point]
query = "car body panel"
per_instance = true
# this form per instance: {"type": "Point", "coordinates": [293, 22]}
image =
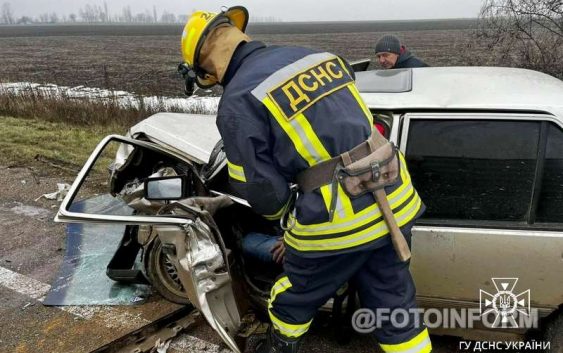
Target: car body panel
{"type": "Point", "coordinates": [205, 277]}
{"type": "Point", "coordinates": [455, 262]}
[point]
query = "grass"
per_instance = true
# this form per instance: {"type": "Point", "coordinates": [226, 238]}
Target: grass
{"type": "Point", "coordinates": [24, 141]}
{"type": "Point", "coordinates": [59, 107]}
{"type": "Point", "coordinates": [61, 131]}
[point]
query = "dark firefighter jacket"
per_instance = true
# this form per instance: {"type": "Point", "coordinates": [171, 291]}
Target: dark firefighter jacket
{"type": "Point", "coordinates": [285, 109]}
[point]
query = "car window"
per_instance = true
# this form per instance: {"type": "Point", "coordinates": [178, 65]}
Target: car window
{"type": "Point", "coordinates": [550, 207]}
{"type": "Point", "coordinates": [473, 169]}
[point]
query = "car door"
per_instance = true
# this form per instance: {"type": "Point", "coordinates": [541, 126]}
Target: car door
{"type": "Point", "coordinates": [199, 258]}
{"type": "Point", "coordinates": [493, 188]}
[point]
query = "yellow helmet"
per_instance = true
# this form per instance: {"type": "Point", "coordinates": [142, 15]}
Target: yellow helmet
{"type": "Point", "coordinates": [197, 28]}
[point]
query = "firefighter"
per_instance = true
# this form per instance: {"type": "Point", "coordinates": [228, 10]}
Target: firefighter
{"type": "Point", "coordinates": [290, 115]}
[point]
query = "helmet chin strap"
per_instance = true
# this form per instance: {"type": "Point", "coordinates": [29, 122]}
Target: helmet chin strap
{"type": "Point", "coordinates": [189, 76]}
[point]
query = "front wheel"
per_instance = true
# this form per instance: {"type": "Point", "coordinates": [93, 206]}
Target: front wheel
{"type": "Point", "coordinates": [163, 275]}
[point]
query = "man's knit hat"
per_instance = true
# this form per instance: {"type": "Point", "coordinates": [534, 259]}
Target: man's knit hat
{"type": "Point", "coordinates": [389, 44]}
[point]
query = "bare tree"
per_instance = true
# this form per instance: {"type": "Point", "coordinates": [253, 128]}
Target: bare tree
{"type": "Point", "coordinates": [525, 33]}
{"type": "Point", "coordinates": [53, 17]}
{"type": "Point", "coordinates": [7, 14]}
{"type": "Point", "coordinates": [24, 20]}
{"type": "Point", "coordinates": [167, 17]}
{"type": "Point", "coordinates": [92, 13]}
{"type": "Point", "coordinates": [44, 18]}
{"type": "Point", "coordinates": [106, 13]}
{"type": "Point", "coordinates": [145, 17]}
{"type": "Point", "coordinates": [87, 14]}
{"type": "Point", "coordinates": [127, 16]}
{"type": "Point", "coordinates": [183, 18]}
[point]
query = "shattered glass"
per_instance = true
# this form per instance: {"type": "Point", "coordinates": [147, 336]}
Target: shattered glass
{"type": "Point", "coordinates": [82, 277]}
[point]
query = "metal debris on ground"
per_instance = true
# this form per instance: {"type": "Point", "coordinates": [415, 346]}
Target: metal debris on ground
{"type": "Point", "coordinates": [161, 347]}
{"type": "Point", "coordinates": [59, 195]}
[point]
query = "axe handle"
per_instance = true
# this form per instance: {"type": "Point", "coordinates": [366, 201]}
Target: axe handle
{"type": "Point", "coordinates": [397, 237]}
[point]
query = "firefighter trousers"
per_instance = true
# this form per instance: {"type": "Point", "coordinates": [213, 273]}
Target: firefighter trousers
{"type": "Point", "coordinates": [382, 280]}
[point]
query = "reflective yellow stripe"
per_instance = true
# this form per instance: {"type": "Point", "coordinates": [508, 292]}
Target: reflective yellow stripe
{"type": "Point", "coordinates": [343, 209]}
{"type": "Point", "coordinates": [350, 223]}
{"type": "Point", "coordinates": [288, 330]}
{"type": "Point", "coordinates": [396, 199]}
{"type": "Point", "coordinates": [345, 67]}
{"type": "Point", "coordinates": [360, 219]}
{"type": "Point", "coordinates": [354, 90]}
{"type": "Point", "coordinates": [357, 96]}
{"type": "Point", "coordinates": [277, 215]}
{"type": "Point", "coordinates": [280, 286]}
{"type": "Point", "coordinates": [322, 153]}
{"type": "Point", "coordinates": [236, 172]}
{"type": "Point", "coordinates": [309, 147]}
{"type": "Point", "coordinates": [346, 203]}
{"type": "Point", "coordinates": [325, 192]}
{"type": "Point", "coordinates": [406, 214]}
{"type": "Point", "coordinates": [378, 230]}
{"type": "Point", "coordinates": [419, 344]}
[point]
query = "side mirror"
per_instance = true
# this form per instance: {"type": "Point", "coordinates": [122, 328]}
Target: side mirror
{"type": "Point", "coordinates": [165, 188]}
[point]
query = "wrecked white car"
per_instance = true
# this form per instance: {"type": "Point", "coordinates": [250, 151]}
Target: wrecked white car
{"type": "Point", "coordinates": [485, 151]}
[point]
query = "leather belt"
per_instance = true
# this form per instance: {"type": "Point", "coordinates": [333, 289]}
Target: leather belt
{"type": "Point", "coordinates": [322, 174]}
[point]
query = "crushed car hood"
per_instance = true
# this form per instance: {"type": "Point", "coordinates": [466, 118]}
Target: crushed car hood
{"type": "Point", "coordinates": [193, 135]}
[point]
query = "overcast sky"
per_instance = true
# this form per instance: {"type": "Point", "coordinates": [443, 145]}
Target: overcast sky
{"type": "Point", "coordinates": [286, 10]}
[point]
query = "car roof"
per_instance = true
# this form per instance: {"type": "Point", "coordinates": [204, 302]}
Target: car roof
{"type": "Point", "coordinates": [462, 88]}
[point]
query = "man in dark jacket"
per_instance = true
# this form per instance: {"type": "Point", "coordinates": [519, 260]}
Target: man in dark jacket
{"type": "Point", "coordinates": [391, 54]}
{"type": "Point", "coordinates": [286, 110]}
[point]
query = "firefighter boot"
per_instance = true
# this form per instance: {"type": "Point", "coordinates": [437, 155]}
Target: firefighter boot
{"type": "Point", "coordinates": [276, 343]}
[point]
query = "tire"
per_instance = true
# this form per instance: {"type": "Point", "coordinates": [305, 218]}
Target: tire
{"type": "Point", "coordinates": [553, 333]}
{"type": "Point", "coordinates": [163, 275]}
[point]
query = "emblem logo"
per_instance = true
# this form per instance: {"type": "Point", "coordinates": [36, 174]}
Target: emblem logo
{"type": "Point", "coordinates": [505, 304]}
